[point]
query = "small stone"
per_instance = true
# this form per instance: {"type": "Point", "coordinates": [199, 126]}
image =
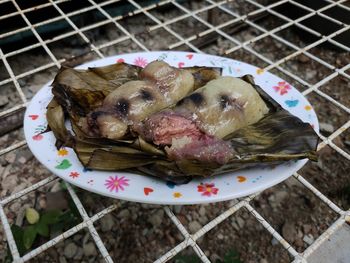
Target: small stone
{"type": "Point", "coordinates": [203, 220]}
{"type": "Point", "coordinates": [86, 238]}
{"type": "Point", "coordinates": [306, 228]}
{"type": "Point", "coordinates": [215, 258]}
{"type": "Point", "coordinates": [177, 208]}
{"type": "Point", "coordinates": [170, 239]}
{"type": "Point", "coordinates": [134, 216]}
{"type": "Point", "coordinates": [52, 253]}
{"type": "Point", "coordinates": [300, 234]}
{"type": "Point", "coordinates": [79, 254]}
{"type": "Point", "coordinates": [59, 244]}
{"type": "Point", "coordinates": [15, 206]}
{"type": "Point", "coordinates": [233, 202]}
{"type": "Point", "coordinates": [22, 160]}
{"type": "Point", "coordinates": [289, 231]}
{"type": "Point", "coordinates": [6, 172]}
{"type": "Point", "coordinates": [70, 250]}
{"type": "Point", "coordinates": [235, 225]}
{"type": "Point", "coordinates": [125, 213]}
{"type": "Point", "coordinates": [194, 226]}
{"type": "Point", "coordinates": [21, 82]}
{"type": "Point", "coordinates": [338, 141]}
{"type": "Point", "coordinates": [303, 58]}
{"type": "Point", "coordinates": [182, 219]}
{"type": "Point", "coordinates": [291, 181]}
{"type": "Point", "coordinates": [20, 216]}
{"type": "Point", "coordinates": [326, 127]}
{"type": "Point", "coordinates": [56, 200]}
{"type": "Point", "coordinates": [62, 260]}
{"type": "Point", "coordinates": [271, 198]}
{"type": "Point", "coordinates": [10, 157]}
{"type": "Point", "coordinates": [89, 249]}
{"type": "Point", "coordinates": [220, 236]}
{"type": "Point", "coordinates": [202, 211]}
{"type": "Point", "coordinates": [19, 187]}
{"type": "Point", "coordinates": [145, 232]}
{"type": "Point", "coordinates": [308, 239]}
{"type": "Point", "coordinates": [107, 223]}
{"type": "Point", "coordinates": [56, 187]}
{"type": "Point", "coordinates": [338, 61]}
{"type": "Point", "coordinates": [299, 242]}
{"type": "Point", "coordinates": [263, 261]}
{"type": "Point", "coordinates": [42, 203]}
{"type": "Point", "coordinates": [280, 196]}
{"type": "Point", "coordinates": [3, 100]}
{"type": "Point", "coordinates": [310, 74]}
{"type": "Point", "coordinates": [195, 215]}
{"type": "Point", "coordinates": [156, 218]}
{"type": "Point", "coordinates": [274, 241]}
{"type": "Point", "coordinates": [77, 237]}
{"type": "Point", "coordinates": [240, 221]}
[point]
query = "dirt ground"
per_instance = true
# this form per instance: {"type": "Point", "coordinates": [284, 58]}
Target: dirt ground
{"type": "Point", "coordinates": [142, 233]}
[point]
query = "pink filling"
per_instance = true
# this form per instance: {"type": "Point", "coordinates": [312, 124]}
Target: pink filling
{"type": "Point", "coordinates": [205, 149]}
{"type": "Point", "coordinates": [163, 127]}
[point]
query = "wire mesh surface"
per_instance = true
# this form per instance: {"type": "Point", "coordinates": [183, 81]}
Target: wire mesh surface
{"type": "Point", "coordinates": [213, 20]}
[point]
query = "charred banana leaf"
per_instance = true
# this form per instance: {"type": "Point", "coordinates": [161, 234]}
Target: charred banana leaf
{"type": "Point", "coordinates": [79, 92]}
{"type": "Point", "coordinates": [276, 138]}
{"type": "Point", "coordinates": [266, 143]}
{"type": "Point", "coordinates": [84, 90]}
{"type": "Point", "coordinates": [56, 123]}
{"type": "Point", "coordinates": [202, 75]}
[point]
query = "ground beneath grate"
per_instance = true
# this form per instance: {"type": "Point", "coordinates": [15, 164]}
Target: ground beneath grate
{"type": "Point", "coordinates": [142, 233]}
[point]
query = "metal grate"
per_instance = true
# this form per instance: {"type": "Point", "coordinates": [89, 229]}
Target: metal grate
{"type": "Point", "coordinates": [213, 30]}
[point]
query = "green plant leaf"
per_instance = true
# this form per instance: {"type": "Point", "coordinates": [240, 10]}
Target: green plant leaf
{"type": "Point", "coordinates": [8, 257]}
{"type": "Point", "coordinates": [56, 229]}
{"type": "Point", "coordinates": [17, 233]}
{"type": "Point", "coordinates": [63, 185]}
{"type": "Point", "coordinates": [232, 256]}
{"type": "Point", "coordinates": [50, 217]}
{"type": "Point", "coordinates": [42, 229]}
{"type": "Point", "coordinates": [73, 208]}
{"type": "Point", "coordinates": [29, 236]}
{"type": "Point", "coordinates": [69, 220]}
{"type": "Point", "coordinates": [186, 259]}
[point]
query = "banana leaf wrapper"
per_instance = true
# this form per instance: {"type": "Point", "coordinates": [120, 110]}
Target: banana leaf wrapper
{"type": "Point", "coordinates": [79, 92]}
{"type": "Point", "coordinates": [276, 138]}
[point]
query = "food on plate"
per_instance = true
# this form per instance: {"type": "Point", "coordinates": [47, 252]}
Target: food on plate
{"type": "Point", "coordinates": [84, 90]}
{"type": "Point", "coordinates": [177, 123]}
{"type": "Point", "coordinates": [158, 87]}
{"type": "Point", "coordinates": [219, 108]}
{"type": "Point", "coordinates": [96, 99]}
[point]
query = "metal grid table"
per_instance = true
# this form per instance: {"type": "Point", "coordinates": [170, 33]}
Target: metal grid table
{"type": "Point", "coordinates": [188, 43]}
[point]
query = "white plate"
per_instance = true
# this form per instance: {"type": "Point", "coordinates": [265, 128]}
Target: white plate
{"type": "Point", "coordinates": [64, 163]}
